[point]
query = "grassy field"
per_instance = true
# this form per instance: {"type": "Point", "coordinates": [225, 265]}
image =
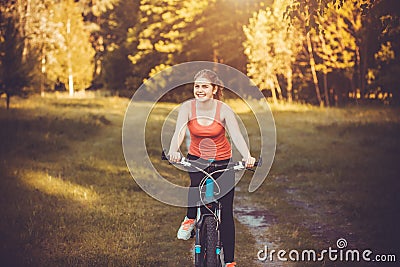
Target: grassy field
{"type": "Point", "coordinates": [67, 197]}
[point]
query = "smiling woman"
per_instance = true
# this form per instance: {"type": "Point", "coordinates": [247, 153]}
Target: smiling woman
{"type": "Point", "coordinates": [207, 119]}
{"type": "Point", "coordinates": [208, 80]}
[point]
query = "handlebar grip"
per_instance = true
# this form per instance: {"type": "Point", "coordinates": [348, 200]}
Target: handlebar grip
{"type": "Point", "coordinates": [259, 163]}
{"type": "Point", "coordinates": [164, 156]}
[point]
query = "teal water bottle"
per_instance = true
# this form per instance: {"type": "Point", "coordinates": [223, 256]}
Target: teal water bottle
{"type": "Point", "coordinates": [209, 190]}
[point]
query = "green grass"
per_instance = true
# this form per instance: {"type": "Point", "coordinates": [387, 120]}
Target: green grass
{"type": "Point", "coordinates": [335, 175]}
{"type": "Point", "coordinates": [67, 197]}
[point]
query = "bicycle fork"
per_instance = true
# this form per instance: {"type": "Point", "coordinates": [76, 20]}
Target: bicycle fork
{"type": "Point", "coordinates": [199, 235]}
{"type": "Point", "coordinates": [197, 244]}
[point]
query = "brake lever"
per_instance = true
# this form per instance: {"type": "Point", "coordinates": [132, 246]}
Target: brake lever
{"type": "Point", "coordinates": [185, 163]}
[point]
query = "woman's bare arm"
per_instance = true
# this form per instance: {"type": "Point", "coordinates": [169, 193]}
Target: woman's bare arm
{"type": "Point", "coordinates": [180, 131]}
{"type": "Point", "coordinates": [236, 136]}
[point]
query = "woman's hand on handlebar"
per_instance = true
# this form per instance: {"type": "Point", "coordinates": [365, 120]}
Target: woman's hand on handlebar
{"type": "Point", "coordinates": [249, 162]}
{"type": "Point", "coordinates": [174, 157]}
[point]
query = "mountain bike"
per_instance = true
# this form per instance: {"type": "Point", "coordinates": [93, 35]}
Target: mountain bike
{"type": "Point", "coordinates": [208, 248]}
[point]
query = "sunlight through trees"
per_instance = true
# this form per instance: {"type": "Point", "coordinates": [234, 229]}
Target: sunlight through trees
{"type": "Point", "coordinates": [322, 52]}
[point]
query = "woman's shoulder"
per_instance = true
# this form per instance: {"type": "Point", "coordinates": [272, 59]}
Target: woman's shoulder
{"type": "Point", "coordinates": [186, 106]}
{"type": "Point", "coordinates": [225, 107]}
{"type": "Point", "coordinates": [187, 103]}
{"type": "Point", "coordinates": [226, 111]}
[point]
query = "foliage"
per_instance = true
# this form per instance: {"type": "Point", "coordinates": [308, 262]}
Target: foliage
{"type": "Point", "coordinates": [271, 47]}
{"type": "Point", "coordinates": [97, 7]}
{"type": "Point", "coordinates": [218, 34]}
{"type": "Point", "coordinates": [259, 49]}
{"type": "Point", "coordinates": [383, 78]}
{"type": "Point", "coordinates": [161, 32]}
{"type": "Point", "coordinates": [73, 53]}
{"type": "Point", "coordinates": [337, 38]}
{"type": "Point", "coordinates": [119, 44]}
{"type": "Point", "coordinates": [337, 43]}
{"type": "Point", "coordinates": [14, 74]}
{"type": "Point", "coordinates": [113, 48]}
{"type": "Point", "coordinates": [116, 68]}
{"type": "Point", "coordinates": [312, 9]}
{"type": "Point", "coordinates": [339, 47]}
{"type": "Point", "coordinates": [42, 26]}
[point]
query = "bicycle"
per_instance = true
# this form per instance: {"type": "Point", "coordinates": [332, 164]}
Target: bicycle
{"type": "Point", "coordinates": [208, 247]}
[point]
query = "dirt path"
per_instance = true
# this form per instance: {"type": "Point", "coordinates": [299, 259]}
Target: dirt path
{"type": "Point", "coordinates": [259, 221]}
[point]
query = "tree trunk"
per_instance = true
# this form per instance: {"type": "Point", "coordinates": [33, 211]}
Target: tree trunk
{"type": "Point", "coordinates": [270, 83]}
{"type": "Point", "coordinates": [43, 71]}
{"type": "Point", "coordinates": [22, 16]}
{"type": "Point", "coordinates": [278, 88]}
{"type": "Point", "coordinates": [70, 74]}
{"type": "Point", "coordinates": [8, 100]}
{"type": "Point", "coordinates": [313, 71]}
{"type": "Point", "coordinates": [326, 90]}
{"type": "Point", "coordinates": [353, 88]}
{"type": "Point", "coordinates": [364, 62]}
{"type": "Point", "coordinates": [289, 77]}
{"type": "Point", "coordinates": [358, 71]}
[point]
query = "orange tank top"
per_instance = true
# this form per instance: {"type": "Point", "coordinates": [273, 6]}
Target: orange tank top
{"type": "Point", "coordinates": [208, 141]}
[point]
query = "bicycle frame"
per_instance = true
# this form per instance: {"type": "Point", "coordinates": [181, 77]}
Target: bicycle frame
{"type": "Point", "coordinates": [210, 208]}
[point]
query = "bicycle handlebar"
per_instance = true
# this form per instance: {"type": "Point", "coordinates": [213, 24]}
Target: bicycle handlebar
{"type": "Point", "coordinates": [237, 166]}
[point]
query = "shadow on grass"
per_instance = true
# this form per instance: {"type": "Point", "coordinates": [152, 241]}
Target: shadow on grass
{"type": "Point", "coordinates": [38, 136]}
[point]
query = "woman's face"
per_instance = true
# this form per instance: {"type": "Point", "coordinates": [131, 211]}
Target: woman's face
{"type": "Point", "coordinates": [203, 89]}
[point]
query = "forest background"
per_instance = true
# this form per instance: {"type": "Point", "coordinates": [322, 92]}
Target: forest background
{"type": "Point", "coordinates": [320, 52]}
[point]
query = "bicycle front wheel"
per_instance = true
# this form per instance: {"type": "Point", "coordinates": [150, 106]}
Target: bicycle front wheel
{"type": "Point", "coordinates": [211, 242]}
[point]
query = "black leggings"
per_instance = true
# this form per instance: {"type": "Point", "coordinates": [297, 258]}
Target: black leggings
{"type": "Point", "coordinates": [228, 225]}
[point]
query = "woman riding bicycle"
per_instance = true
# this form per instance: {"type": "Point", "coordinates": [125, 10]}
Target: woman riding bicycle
{"type": "Point", "coordinates": [206, 118]}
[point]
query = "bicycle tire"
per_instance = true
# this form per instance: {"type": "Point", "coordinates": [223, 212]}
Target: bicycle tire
{"type": "Point", "coordinates": [200, 258]}
{"type": "Point", "coordinates": [211, 259]}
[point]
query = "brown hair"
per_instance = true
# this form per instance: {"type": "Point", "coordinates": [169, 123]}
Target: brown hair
{"type": "Point", "coordinates": [213, 78]}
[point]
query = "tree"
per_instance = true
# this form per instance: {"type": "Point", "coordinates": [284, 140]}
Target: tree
{"type": "Point", "coordinates": [14, 73]}
{"type": "Point", "coordinates": [113, 48]}
{"type": "Point", "coordinates": [104, 18]}
{"type": "Point", "coordinates": [258, 49]}
{"type": "Point", "coordinates": [96, 7]}
{"type": "Point", "coordinates": [71, 60]}
{"type": "Point", "coordinates": [161, 33]}
{"type": "Point", "coordinates": [272, 46]}
{"type": "Point", "coordinates": [42, 25]}
{"type": "Point", "coordinates": [27, 15]}
{"type": "Point", "coordinates": [287, 44]}
{"type": "Point", "coordinates": [337, 43]}
{"type": "Point", "coordinates": [313, 67]}
{"type": "Point", "coordinates": [312, 9]}
{"type": "Point", "coordinates": [384, 78]}
{"type": "Point", "coordinates": [384, 65]}
{"type": "Point", "coordinates": [42, 35]}
{"type": "Point", "coordinates": [218, 35]}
